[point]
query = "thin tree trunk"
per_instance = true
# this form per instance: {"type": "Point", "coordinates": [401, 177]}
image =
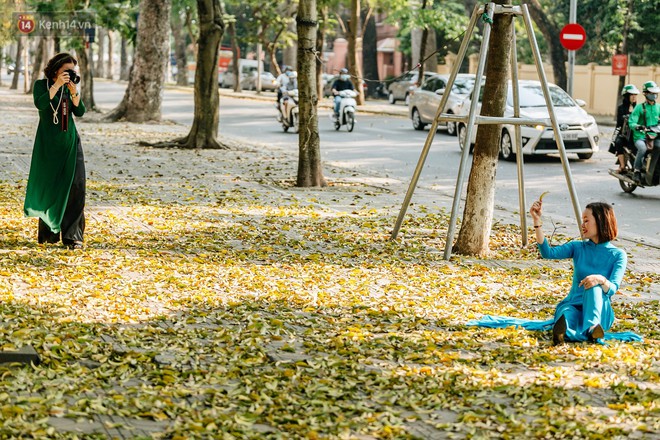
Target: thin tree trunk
{"type": "Point", "coordinates": [274, 67]}
{"type": "Point", "coordinates": [623, 50]}
{"type": "Point", "coordinates": [310, 172]}
{"type": "Point", "coordinates": [479, 205]}
{"type": "Point", "coordinates": [422, 48]}
{"type": "Point", "coordinates": [234, 57]}
{"type": "Point", "coordinates": [123, 60]}
{"type": "Point", "coordinates": [17, 63]}
{"type": "Point", "coordinates": [143, 97]}
{"type": "Point", "coordinates": [99, 72]}
{"type": "Point", "coordinates": [179, 51]}
{"type": "Point", "coordinates": [86, 79]}
{"type": "Point", "coordinates": [204, 130]}
{"type": "Point", "coordinates": [38, 62]}
{"type": "Point", "coordinates": [111, 61]}
{"type": "Point", "coordinates": [370, 57]}
{"type": "Point", "coordinates": [354, 48]}
{"type": "Point", "coordinates": [320, 42]}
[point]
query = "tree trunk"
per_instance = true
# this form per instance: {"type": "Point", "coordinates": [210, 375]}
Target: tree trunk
{"type": "Point", "coordinates": [274, 67]}
{"type": "Point", "coordinates": [354, 48]}
{"type": "Point", "coordinates": [320, 42]}
{"type": "Point", "coordinates": [418, 42]}
{"type": "Point", "coordinates": [2, 59]}
{"type": "Point", "coordinates": [478, 216]}
{"type": "Point", "coordinates": [551, 33]}
{"type": "Point", "coordinates": [289, 57]}
{"type": "Point", "coordinates": [370, 57]}
{"type": "Point", "coordinates": [204, 129]}
{"type": "Point", "coordinates": [179, 51]}
{"type": "Point", "coordinates": [86, 79]}
{"type": "Point", "coordinates": [123, 60]}
{"type": "Point", "coordinates": [111, 61]}
{"type": "Point", "coordinates": [37, 65]}
{"type": "Point", "coordinates": [310, 172]}
{"type": "Point", "coordinates": [234, 57]}
{"type": "Point", "coordinates": [623, 50]}
{"type": "Point", "coordinates": [143, 97]}
{"type": "Point", "coordinates": [99, 72]}
{"type": "Point", "coordinates": [17, 63]}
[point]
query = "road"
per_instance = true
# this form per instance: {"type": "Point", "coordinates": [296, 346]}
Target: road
{"type": "Point", "coordinates": [387, 145]}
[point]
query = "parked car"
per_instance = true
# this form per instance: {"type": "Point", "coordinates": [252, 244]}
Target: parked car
{"type": "Point", "coordinates": [424, 100]}
{"type": "Point", "coordinates": [12, 67]}
{"type": "Point", "coordinates": [399, 90]}
{"type": "Point", "coordinates": [578, 129]}
{"type": "Point", "coordinates": [327, 87]}
{"type": "Point", "coordinates": [226, 80]}
{"type": "Point", "coordinates": [268, 81]}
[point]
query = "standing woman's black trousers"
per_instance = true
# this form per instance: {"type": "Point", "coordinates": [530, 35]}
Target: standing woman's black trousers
{"type": "Point", "coordinates": [73, 222]}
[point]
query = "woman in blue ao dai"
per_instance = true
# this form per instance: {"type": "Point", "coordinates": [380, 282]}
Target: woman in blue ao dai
{"type": "Point", "coordinates": [598, 268]}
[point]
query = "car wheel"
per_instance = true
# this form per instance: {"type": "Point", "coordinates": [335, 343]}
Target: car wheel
{"type": "Point", "coordinates": [506, 147]}
{"type": "Point", "coordinates": [391, 99]}
{"type": "Point", "coordinates": [462, 134]}
{"type": "Point", "coordinates": [417, 120]}
{"type": "Point", "coordinates": [451, 127]}
{"type": "Point", "coordinates": [585, 156]}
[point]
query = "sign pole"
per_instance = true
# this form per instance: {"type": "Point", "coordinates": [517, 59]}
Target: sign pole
{"type": "Point", "coordinates": [572, 18]}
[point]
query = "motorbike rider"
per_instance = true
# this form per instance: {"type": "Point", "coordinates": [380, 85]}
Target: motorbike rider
{"type": "Point", "coordinates": [644, 115]}
{"type": "Point", "coordinates": [623, 138]}
{"type": "Point", "coordinates": [342, 83]}
{"type": "Point", "coordinates": [286, 81]}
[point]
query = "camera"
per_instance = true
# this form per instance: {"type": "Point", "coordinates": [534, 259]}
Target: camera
{"type": "Point", "coordinates": [73, 76]}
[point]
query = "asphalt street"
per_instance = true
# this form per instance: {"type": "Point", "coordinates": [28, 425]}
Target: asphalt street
{"type": "Point", "coordinates": [386, 146]}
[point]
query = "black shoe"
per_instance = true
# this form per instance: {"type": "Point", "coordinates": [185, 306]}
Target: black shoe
{"type": "Point", "coordinates": [75, 245]}
{"type": "Point", "coordinates": [596, 333]}
{"type": "Point", "coordinates": [559, 331]}
{"type": "Point", "coordinates": [637, 177]}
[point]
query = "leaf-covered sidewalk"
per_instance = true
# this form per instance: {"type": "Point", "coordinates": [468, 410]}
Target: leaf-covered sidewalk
{"type": "Point", "coordinates": [215, 300]}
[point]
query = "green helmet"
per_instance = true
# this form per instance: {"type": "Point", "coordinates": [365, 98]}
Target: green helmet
{"type": "Point", "coordinates": [629, 89]}
{"type": "Point", "coordinates": [651, 86]}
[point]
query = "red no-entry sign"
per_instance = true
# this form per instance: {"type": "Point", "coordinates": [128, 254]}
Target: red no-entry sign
{"type": "Point", "coordinates": [572, 36]}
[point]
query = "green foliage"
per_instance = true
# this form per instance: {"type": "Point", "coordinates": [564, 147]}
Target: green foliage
{"type": "Point", "coordinates": [265, 22]}
{"type": "Point", "coordinates": [6, 10]}
{"type": "Point", "coordinates": [447, 18]}
{"type": "Point", "coordinates": [604, 22]}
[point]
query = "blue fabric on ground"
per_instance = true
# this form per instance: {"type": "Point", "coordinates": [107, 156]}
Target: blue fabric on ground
{"type": "Point", "coordinates": [529, 324]}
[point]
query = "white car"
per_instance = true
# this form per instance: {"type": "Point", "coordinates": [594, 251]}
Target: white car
{"type": "Point", "coordinates": [424, 100]}
{"type": "Point", "coordinates": [578, 129]}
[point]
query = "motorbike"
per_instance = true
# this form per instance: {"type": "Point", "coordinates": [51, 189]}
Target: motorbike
{"type": "Point", "coordinates": [288, 110]}
{"type": "Point", "coordinates": [651, 167]}
{"type": "Point", "coordinates": [346, 110]}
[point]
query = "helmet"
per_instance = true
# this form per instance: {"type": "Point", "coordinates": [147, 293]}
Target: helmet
{"type": "Point", "coordinates": [343, 70]}
{"type": "Point", "coordinates": [629, 89]}
{"type": "Point", "coordinates": [651, 86]}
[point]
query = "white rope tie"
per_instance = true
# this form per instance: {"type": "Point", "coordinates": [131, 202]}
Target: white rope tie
{"type": "Point", "coordinates": [56, 120]}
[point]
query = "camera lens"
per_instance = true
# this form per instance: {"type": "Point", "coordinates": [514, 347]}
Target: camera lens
{"type": "Point", "coordinates": [73, 76]}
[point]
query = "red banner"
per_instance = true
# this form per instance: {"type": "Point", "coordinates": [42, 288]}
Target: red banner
{"type": "Point", "coordinates": [620, 65]}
